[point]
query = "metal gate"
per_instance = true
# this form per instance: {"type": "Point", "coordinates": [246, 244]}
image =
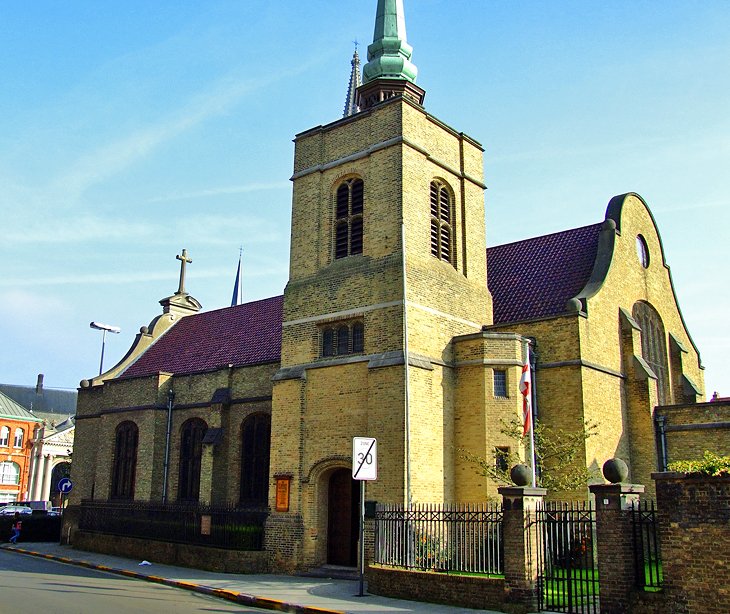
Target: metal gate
{"type": "Point", "coordinates": [567, 565]}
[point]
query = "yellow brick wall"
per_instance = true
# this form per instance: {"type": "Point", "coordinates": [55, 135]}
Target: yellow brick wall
{"type": "Point", "coordinates": [143, 401]}
{"type": "Point", "coordinates": [628, 282]}
{"type": "Point", "coordinates": [480, 416]}
{"type": "Point", "coordinates": [696, 428]}
{"type": "Point", "coordinates": [586, 371]}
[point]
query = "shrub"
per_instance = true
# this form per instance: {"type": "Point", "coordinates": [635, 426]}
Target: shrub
{"type": "Point", "coordinates": [711, 464]}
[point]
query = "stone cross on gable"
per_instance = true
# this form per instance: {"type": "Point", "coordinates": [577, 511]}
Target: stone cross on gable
{"type": "Point", "coordinates": [183, 258]}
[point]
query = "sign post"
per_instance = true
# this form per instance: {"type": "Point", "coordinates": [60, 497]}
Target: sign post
{"type": "Point", "coordinates": [65, 485]}
{"type": "Point", "coordinates": [364, 468]}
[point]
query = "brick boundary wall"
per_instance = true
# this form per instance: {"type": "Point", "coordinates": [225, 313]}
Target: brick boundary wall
{"type": "Point", "coordinates": [477, 592]}
{"type": "Point", "coordinates": [182, 555]}
{"type": "Point", "coordinates": [694, 530]}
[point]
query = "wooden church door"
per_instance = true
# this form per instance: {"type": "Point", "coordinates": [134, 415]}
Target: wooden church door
{"type": "Point", "coordinates": [342, 522]}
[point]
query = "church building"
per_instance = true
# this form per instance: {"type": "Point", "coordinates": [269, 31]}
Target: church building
{"type": "Point", "coordinates": [397, 323]}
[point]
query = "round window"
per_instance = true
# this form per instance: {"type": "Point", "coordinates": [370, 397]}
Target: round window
{"type": "Point", "coordinates": [642, 251]}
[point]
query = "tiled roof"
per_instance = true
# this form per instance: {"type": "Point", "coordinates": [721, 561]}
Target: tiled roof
{"type": "Point", "coordinates": [241, 335]}
{"type": "Point", "coordinates": [528, 279]}
{"type": "Point", "coordinates": [10, 409]}
{"type": "Point", "coordinates": [536, 277]}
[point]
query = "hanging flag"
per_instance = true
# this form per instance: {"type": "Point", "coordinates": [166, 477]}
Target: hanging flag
{"type": "Point", "coordinates": [237, 298]}
{"type": "Point", "coordinates": [525, 385]}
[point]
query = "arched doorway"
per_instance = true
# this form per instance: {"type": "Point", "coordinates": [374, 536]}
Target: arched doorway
{"type": "Point", "coordinates": [342, 519]}
{"type": "Point", "coordinates": [61, 470]}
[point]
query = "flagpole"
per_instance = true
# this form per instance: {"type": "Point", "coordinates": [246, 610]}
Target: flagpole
{"type": "Point", "coordinates": [533, 408]}
{"type": "Point", "coordinates": [527, 378]}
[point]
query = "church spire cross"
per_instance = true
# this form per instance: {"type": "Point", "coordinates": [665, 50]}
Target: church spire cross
{"type": "Point", "coordinates": [184, 260]}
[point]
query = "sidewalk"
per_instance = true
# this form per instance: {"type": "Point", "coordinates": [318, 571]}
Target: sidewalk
{"type": "Point", "coordinates": [273, 592]}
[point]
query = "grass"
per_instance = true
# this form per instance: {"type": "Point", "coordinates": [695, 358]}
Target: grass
{"type": "Point", "coordinates": [653, 577]}
{"type": "Point", "coordinates": [570, 584]}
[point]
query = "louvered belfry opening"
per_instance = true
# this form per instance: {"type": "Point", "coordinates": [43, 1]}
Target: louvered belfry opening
{"type": "Point", "coordinates": [348, 218]}
{"type": "Point", "coordinates": [441, 223]}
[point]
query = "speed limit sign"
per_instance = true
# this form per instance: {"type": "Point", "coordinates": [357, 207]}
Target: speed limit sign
{"type": "Point", "coordinates": [364, 458]}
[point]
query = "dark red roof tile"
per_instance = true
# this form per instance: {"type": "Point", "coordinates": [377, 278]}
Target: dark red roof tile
{"type": "Point", "coordinates": [242, 335]}
{"type": "Point", "coordinates": [528, 279]}
{"type": "Point", "coordinates": [536, 277]}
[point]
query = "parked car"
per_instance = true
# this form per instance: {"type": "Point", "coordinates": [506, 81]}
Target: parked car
{"type": "Point", "coordinates": [36, 506]}
{"type": "Point", "coordinates": [10, 510]}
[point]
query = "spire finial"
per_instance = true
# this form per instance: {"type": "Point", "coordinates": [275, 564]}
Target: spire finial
{"type": "Point", "coordinates": [389, 72]}
{"type": "Point", "coordinates": [389, 54]}
{"type": "Point", "coordinates": [351, 101]}
{"type": "Point", "coordinates": [237, 298]}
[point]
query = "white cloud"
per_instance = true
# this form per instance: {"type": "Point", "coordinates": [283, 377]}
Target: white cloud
{"type": "Point", "coordinates": [37, 230]}
{"type": "Point", "coordinates": [24, 309]}
{"type": "Point", "coordinates": [107, 160]}
{"type": "Point", "coordinates": [223, 191]}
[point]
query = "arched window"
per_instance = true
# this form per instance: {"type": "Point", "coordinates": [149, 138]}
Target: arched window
{"type": "Point", "coordinates": [358, 338]}
{"type": "Point", "coordinates": [9, 473]}
{"type": "Point", "coordinates": [255, 446]}
{"type": "Point", "coordinates": [328, 342]}
{"type": "Point", "coordinates": [442, 235]}
{"type": "Point", "coordinates": [348, 218]}
{"type": "Point", "coordinates": [191, 454]}
{"type": "Point", "coordinates": [343, 339]}
{"type": "Point", "coordinates": [124, 469]}
{"type": "Point", "coordinates": [4, 436]}
{"type": "Point", "coordinates": [18, 440]}
{"type": "Point", "coordinates": [654, 346]}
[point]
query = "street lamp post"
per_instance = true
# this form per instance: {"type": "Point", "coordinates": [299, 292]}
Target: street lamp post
{"type": "Point", "coordinates": [104, 328]}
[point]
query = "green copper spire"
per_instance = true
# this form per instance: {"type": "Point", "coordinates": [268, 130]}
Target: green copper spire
{"type": "Point", "coordinates": [389, 55]}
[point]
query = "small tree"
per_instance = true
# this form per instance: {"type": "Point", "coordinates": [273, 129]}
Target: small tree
{"type": "Point", "coordinates": [556, 452]}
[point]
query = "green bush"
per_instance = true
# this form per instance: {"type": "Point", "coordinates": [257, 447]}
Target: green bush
{"type": "Point", "coordinates": [711, 464]}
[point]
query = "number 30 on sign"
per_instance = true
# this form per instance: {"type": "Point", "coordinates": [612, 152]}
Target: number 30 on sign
{"type": "Point", "coordinates": [364, 458]}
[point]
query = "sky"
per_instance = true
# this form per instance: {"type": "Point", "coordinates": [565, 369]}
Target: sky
{"type": "Point", "coordinates": [130, 130]}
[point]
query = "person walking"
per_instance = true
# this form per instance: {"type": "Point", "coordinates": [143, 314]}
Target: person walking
{"type": "Point", "coordinates": [17, 525]}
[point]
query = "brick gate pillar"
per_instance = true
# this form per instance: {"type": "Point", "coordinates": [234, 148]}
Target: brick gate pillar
{"type": "Point", "coordinates": [520, 504]}
{"type": "Point", "coordinates": [614, 545]}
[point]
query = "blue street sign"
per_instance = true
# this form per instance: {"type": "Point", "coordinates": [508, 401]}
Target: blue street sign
{"type": "Point", "coordinates": [65, 485]}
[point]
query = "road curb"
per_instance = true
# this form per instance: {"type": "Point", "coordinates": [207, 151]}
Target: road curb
{"type": "Point", "coordinates": [240, 598]}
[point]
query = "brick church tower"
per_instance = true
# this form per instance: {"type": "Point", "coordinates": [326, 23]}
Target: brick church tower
{"type": "Point", "coordinates": [387, 262]}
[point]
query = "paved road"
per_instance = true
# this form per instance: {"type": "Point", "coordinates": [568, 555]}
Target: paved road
{"type": "Point", "coordinates": [30, 584]}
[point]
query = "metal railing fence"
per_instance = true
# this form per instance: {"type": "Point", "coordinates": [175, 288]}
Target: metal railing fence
{"type": "Point", "coordinates": [647, 554]}
{"type": "Point", "coordinates": [566, 556]}
{"type": "Point", "coordinates": [219, 526]}
{"type": "Point", "coordinates": [440, 537]}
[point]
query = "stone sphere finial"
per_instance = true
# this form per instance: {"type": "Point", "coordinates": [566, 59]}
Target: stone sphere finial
{"type": "Point", "coordinates": [615, 470]}
{"type": "Point", "coordinates": [521, 475]}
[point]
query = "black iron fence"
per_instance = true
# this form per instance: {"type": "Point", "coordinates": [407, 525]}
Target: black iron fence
{"type": "Point", "coordinates": [567, 563]}
{"type": "Point", "coordinates": [447, 538]}
{"type": "Point", "coordinates": [38, 527]}
{"type": "Point", "coordinates": [218, 526]}
{"type": "Point", "coordinates": [647, 555]}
